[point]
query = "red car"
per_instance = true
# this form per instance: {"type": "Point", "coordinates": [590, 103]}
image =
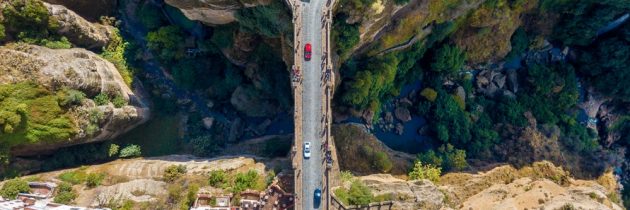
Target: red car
{"type": "Point", "coordinates": [307, 51]}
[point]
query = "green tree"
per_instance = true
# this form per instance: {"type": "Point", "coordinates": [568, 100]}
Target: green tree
{"type": "Point", "coordinates": [113, 150]}
{"type": "Point", "coordinates": [421, 171]}
{"type": "Point", "coordinates": [12, 187]}
{"type": "Point", "coordinates": [448, 59]}
{"type": "Point", "coordinates": [167, 42]}
{"type": "Point", "coordinates": [130, 151]}
{"type": "Point", "coordinates": [248, 180]}
{"type": "Point", "coordinates": [218, 179]}
{"type": "Point", "coordinates": [270, 20]}
{"type": "Point", "coordinates": [345, 35]}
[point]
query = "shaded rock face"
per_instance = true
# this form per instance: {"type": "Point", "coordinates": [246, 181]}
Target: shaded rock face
{"type": "Point", "coordinates": [91, 10]}
{"type": "Point", "coordinates": [213, 12]}
{"type": "Point", "coordinates": [78, 30]}
{"type": "Point", "coordinates": [248, 101]}
{"type": "Point", "coordinates": [77, 69]}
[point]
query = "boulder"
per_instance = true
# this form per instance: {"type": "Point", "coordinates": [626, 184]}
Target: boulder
{"type": "Point", "coordinates": [208, 122]}
{"type": "Point", "coordinates": [236, 130]}
{"type": "Point", "coordinates": [76, 69]}
{"type": "Point", "coordinates": [402, 114]}
{"type": "Point", "coordinates": [400, 129]}
{"type": "Point", "coordinates": [461, 93]}
{"type": "Point", "coordinates": [389, 118]}
{"type": "Point", "coordinates": [512, 80]}
{"type": "Point", "coordinates": [499, 80]}
{"type": "Point", "coordinates": [78, 30]}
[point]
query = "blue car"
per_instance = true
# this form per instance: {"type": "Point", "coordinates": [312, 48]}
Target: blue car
{"type": "Point", "coordinates": [317, 197]}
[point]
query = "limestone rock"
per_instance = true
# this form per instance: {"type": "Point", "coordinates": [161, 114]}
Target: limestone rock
{"type": "Point", "coordinates": [78, 30]}
{"type": "Point", "coordinates": [77, 69]}
{"type": "Point", "coordinates": [418, 194]}
{"type": "Point", "coordinates": [213, 12]}
{"type": "Point", "coordinates": [389, 118]}
{"type": "Point", "coordinates": [400, 129]}
{"type": "Point", "coordinates": [208, 122]}
{"type": "Point", "coordinates": [402, 114]}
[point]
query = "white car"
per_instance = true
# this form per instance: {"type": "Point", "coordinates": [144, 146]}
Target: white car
{"type": "Point", "coordinates": [307, 150]}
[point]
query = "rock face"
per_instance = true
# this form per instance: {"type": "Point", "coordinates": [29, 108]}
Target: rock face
{"type": "Point", "coordinates": [248, 101]}
{"type": "Point", "coordinates": [91, 10]}
{"type": "Point", "coordinates": [78, 30]}
{"type": "Point", "coordinates": [539, 186]}
{"type": "Point", "coordinates": [213, 12]}
{"type": "Point", "coordinates": [77, 69]}
{"type": "Point", "coordinates": [418, 194]}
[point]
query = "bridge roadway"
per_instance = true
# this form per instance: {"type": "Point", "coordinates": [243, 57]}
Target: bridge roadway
{"type": "Point", "coordinates": [312, 87]}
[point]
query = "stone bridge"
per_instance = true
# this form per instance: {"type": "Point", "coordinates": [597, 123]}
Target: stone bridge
{"type": "Point", "coordinates": [313, 86]}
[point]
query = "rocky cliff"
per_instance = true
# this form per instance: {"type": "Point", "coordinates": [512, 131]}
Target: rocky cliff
{"type": "Point", "coordinates": [213, 12]}
{"type": "Point", "coordinates": [75, 69]}
{"type": "Point", "coordinates": [540, 186]}
{"type": "Point", "coordinates": [78, 30]}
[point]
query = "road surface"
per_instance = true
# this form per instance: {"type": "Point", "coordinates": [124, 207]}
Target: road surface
{"type": "Point", "coordinates": [313, 168]}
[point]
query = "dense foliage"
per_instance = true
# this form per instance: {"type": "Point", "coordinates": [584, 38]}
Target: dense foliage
{"type": "Point", "coordinates": [425, 171]}
{"type": "Point", "coordinates": [271, 20]}
{"type": "Point", "coordinates": [29, 21]}
{"type": "Point", "coordinates": [12, 187]}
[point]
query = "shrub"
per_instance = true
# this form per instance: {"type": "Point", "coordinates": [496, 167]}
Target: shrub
{"type": "Point", "coordinates": [130, 151]}
{"type": "Point", "coordinates": [345, 36]}
{"type": "Point", "coordinates": [113, 150]}
{"type": "Point", "coordinates": [448, 59]}
{"type": "Point", "coordinates": [429, 93]}
{"type": "Point", "coordinates": [94, 179]}
{"type": "Point", "coordinates": [73, 97]}
{"type": "Point", "coordinates": [65, 194]}
{"type": "Point", "coordinates": [421, 171]}
{"type": "Point", "coordinates": [119, 101]}
{"type": "Point", "coordinates": [243, 181]}
{"type": "Point", "coordinates": [218, 179]}
{"type": "Point", "coordinates": [29, 19]}
{"type": "Point", "coordinates": [173, 172]}
{"type": "Point", "coordinates": [11, 188]}
{"type": "Point", "coordinates": [359, 194]}
{"type": "Point", "coordinates": [151, 16]}
{"type": "Point", "coordinates": [62, 43]}
{"type": "Point", "coordinates": [116, 52]}
{"type": "Point", "coordinates": [167, 41]}
{"type": "Point", "coordinates": [101, 99]}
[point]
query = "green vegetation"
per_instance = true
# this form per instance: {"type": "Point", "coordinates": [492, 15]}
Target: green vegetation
{"type": "Point", "coordinates": [28, 21]}
{"type": "Point", "coordinates": [117, 52]}
{"type": "Point", "coordinates": [447, 157]}
{"type": "Point", "coordinates": [425, 171]}
{"type": "Point", "coordinates": [582, 19]}
{"type": "Point", "coordinates": [249, 180]}
{"type": "Point", "coordinates": [94, 179]}
{"type": "Point", "coordinates": [12, 187]}
{"type": "Point", "coordinates": [271, 20]}
{"type": "Point", "coordinates": [130, 151]}
{"type": "Point", "coordinates": [372, 84]}
{"type": "Point", "coordinates": [448, 59]}
{"type": "Point", "coordinates": [379, 160]}
{"type": "Point", "coordinates": [173, 172]}
{"type": "Point", "coordinates": [204, 146]}
{"type": "Point", "coordinates": [159, 136]}
{"type": "Point", "coordinates": [32, 114]}
{"type": "Point", "coordinates": [74, 177]}
{"type": "Point", "coordinates": [65, 194]}
{"type": "Point", "coordinates": [519, 42]}
{"type": "Point", "coordinates": [218, 179]}
{"type": "Point", "coordinates": [167, 42]}
{"type": "Point", "coordinates": [358, 194]}
{"type": "Point", "coordinates": [345, 36]}
{"type": "Point", "coordinates": [151, 16]}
